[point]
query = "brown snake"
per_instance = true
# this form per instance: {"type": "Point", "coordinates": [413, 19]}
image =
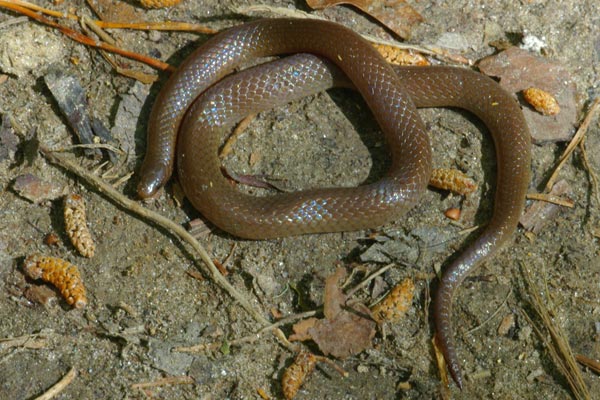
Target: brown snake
{"type": "Point", "coordinates": [392, 97]}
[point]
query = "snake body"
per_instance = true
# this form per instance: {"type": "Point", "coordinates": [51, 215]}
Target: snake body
{"type": "Point", "coordinates": [391, 95]}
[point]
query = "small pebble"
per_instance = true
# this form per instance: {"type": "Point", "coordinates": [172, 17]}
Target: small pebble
{"type": "Point", "coordinates": [506, 325]}
{"type": "Point", "coordinates": [35, 189]}
{"type": "Point", "coordinates": [453, 214]}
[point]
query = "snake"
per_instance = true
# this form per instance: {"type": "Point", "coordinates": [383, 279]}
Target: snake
{"type": "Point", "coordinates": [202, 99]}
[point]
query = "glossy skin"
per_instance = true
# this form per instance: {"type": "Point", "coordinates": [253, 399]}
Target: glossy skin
{"type": "Point", "coordinates": [391, 95]}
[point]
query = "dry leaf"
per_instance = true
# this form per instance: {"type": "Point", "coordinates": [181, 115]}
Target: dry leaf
{"type": "Point", "coordinates": [349, 333]}
{"type": "Point", "coordinates": [398, 16]}
{"type": "Point", "coordinates": [334, 298]}
{"type": "Point", "coordinates": [116, 11]}
{"type": "Point", "coordinates": [301, 330]}
{"type": "Point", "coordinates": [345, 330]}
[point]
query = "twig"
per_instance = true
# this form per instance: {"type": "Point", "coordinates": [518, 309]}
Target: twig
{"type": "Point", "coordinates": [13, 21]}
{"type": "Point", "coordinates": [551, 199]}
{"type": "Point", "coordinates": [43, 10]}
{"type": "Point", "coordinates": [157, 26]}
{"type": "Point", "coordinates": [574, 142]}
{"type": "Point", "coordinates": [146, 26]}
{"type": "Point", "coordinates": [159, 220]}
{"type": "Point", "coordinates": [104, 146]}
{"type": "Point", "coordinates": [279, 11]}
{"type": "Point", "coordinates": [332, 364]}
{"type": "Point", "coordinates": [79, 37]}
{"type": "Point", "coordinates": [590, 169]}
{"type": "Point", "coordinates": [170, 380]}
{"type": "Point", "coordinates": [246, 339]}
{"type": "Point", "coordinates": [35, 341]}
{"type": "Point", "coordinates": [478, 327]}
{"type": "Point", "coordinates": [87, 22]}
{"type": "Point", "coordinates": [558, 345]}
{"type": "Point", "coordinates": [588, 362]}
{"type": "Point", "coordinates": [368, 279]}
{"type": "Point", "coordinates": [59, 386]}
{"type": "Point", "coordinates": [239, 129]}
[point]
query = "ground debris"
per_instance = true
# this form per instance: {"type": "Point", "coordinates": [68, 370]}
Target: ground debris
{"type": "Point", "coordinates": [396, 15]}
{"type": "Point", "coordinates": [453, 180]}
{"type": "Point", "coordinates": [519, 70]}
{"type": "Point", "coordinates": [29, 49]}
{"type": "Point", "coordinates": [8, 140]}
{"type": "Point", "coordinates": [116, 11]}
{"type": "Point", "coordinates": [71, 100]}
{"type": "Point", "coordinates": [386, 249]}
{"type": "Point", "coordinates": [36, 190]}
{"type": "Point", "coordinates": [345, 330]}
{"type": "Point", "coordinates": [541, 213]}
{"type": "Point", "coordinates": [127, 116]}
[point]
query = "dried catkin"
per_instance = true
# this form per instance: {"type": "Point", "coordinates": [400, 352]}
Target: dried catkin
{"type": "Point", "coordinates": [159, 3]}
{"type": "Point", "coordinates": [542, 101]}
{"type": "Point", "coordinates": [295, 375]}
{"type": "Point", "coordinates": [452, 180]}
{"type": "Point", "coordinates": [397, 56]}
{"type": "Point", "coordinates": [76, 225]}
{"type": "Point", "coordinates": [396, 303]}
{"type": "Point", "coordinates": [61, 274]}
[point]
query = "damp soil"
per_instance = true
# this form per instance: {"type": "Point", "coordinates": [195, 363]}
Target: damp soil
{"type": "Point", "coordinates": [143, 302]}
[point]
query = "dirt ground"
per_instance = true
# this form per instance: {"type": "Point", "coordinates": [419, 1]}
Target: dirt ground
{"type": "Point", "coordinates": [142, 303]}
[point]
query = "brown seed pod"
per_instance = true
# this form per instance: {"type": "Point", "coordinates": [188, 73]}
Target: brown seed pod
{"type": "Point", "coordinates": [542, 101]}
{"type": "Point", "coordinates": [76, 225]}
{"type": "Point", "coordinates": [60, 273]}
{"type": "Point", "coordinates": [395, 304]}
{"type": "Point", "coordinates": [159, 3]}
{"type": "Point", "coordinates": [453, 213]}
{"type": "Point", "coordinates": [453, 180]}
{"type": "Point", "coordinates": [295, 375]}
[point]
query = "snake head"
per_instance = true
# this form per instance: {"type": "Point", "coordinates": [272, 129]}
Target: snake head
{"type": "Point", "coordinates": [151, 180]}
